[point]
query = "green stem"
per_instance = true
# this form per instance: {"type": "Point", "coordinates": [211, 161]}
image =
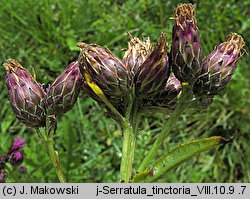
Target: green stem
{"type": "Point", "coordinates": [129, 138]}
{"type": "Point", "coordinates": [54, 159]}
{"type": "Point", "coordinates": [47, 139]}
{"type": "Point", "coordinates": [165, 130]}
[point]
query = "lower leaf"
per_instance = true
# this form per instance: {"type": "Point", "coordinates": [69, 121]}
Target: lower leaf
{"type": "Point", "coordinates": [177, 156]}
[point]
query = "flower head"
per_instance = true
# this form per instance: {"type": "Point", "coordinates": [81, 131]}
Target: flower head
{"type": "Point", "coordinates": [3, 175]}
{"type": "Point", "coordinates": [186, 53]}
{"type": "Point", "coordinates": [219, 65]}
{"type": "Point", "coordinates": [152, 75]}
{"type": "Point", "coordinates": [16, 158]}
{"type": "Point", "coordinates": [104, 71]}
{"type": "Point", "coordinates": [63, 92]}
{"type": "Point", "coordinates": [18, 143]}
{"type": "Point", "coordinates": [25, 94]}
{"type": "Point", "coordinates": [138, 51]}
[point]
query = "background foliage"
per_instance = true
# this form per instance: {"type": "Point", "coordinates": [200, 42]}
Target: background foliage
{"type": "Point", "coordinates": [42, 34]}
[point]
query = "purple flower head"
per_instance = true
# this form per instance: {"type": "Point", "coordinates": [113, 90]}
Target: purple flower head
{"type": "Point", "coordinates": [25, 94]}
{"type": "Point", "coordinates": [16, 158]}
{"type": "Point", "coordinates": [3, 175]}
{"type": "Point", "coordinates": [18, 143]}
{"type": "Point", "coordinates": [22, 169]}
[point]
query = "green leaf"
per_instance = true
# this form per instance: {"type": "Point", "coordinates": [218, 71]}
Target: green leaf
{"type": "Point", "coordinates": [177, 156]}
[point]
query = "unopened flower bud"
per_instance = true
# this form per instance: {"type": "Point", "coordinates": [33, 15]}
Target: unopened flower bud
{"type": "Point", "coordinates": [171, 90]}
{"type": "Point", "coordinates": [63, 92]}
{"type": "Point", "coordinates": [138, 51]}
{"type": "Point", "coordinates": [152, 75]}
{"type": "Point", "coordinates": [186, 53]}
{"type": "Point", "coordinates": [168, 96]}
{"type": "Point", "coordinates": [23, 169]}
{"type": "Point", "coordinates": [3, 175]}
{"type": "Point", "coordinates": [18, 143]}
{"type": "Point", "coordinates": [101, 68]}
{"type": "Point", "coordinates": [25, 94]}
{"type": "Point", "coordinates": [16, 158]}
{"type": "Point", "coordinates": [2, 162]}
{"type": "Point", "coordinates": [218, 66]}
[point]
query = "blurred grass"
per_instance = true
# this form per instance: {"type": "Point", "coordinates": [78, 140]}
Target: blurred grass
{"type": "Point", "coordinates": [42, 36]}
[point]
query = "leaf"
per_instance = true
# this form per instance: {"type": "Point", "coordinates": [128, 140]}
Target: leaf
{"type": "Point", "coordinates": [177, 156]}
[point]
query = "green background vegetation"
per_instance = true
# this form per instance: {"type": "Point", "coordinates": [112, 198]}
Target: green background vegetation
{"type": "Point", "coordinates": [42, 35]}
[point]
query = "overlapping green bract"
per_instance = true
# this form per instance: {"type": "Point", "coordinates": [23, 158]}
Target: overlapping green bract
{"type": "Point", "coordinates": [25, 94]}
{"type": "Point", "coordinates": [218, 66]}
{"type": "Point", "coordinates": [186, 53]}
{"type": "Point", "coordinates": [63, 92]}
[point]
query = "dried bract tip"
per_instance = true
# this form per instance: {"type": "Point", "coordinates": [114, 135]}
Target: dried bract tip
{"type": "Point", "coordinates": [82, 45]}
{"type": "Point", "coordinates": [137, 53]}
{"type": "Point", "coordinates": [25, 94]}
{"type": "Point", "coordinates": [152, 75]}
{"type": "Point", "coordinates": [235, 42]}
{"type": "Point", "coordinates": [184, 12]}
{"type": "Point", "coordinates": [11, 64]}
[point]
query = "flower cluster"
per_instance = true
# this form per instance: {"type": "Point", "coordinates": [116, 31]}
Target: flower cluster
{"type": "Point", "coordinates": [31, 103]}
{"type": "Point", "coordinates": [151, 76]}
{"type": "Point", "coordinates": [14, 156]}
{"type": "Point", "coordinates": [148, 75]}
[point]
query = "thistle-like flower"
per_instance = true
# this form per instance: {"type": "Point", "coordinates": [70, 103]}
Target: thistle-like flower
{"type": "Point", "coordinates": [218, 66]}
{"type": "Point", "coordinates": [152, 75]}
{"type": "Point", "coordinates": [138, 51]}
{"type": "Point", "coordinates": [18, 143]}
{"type": "Point", "coordinates": [16, 158]}
{"type": "Point", "coordinates": [104, 71]}
{"type": "Point", "coordinates": [186, 53]}
{"type": "Point", "coordinates": [22, 169]}
{"type": "Point", "coordinates": [63, 92]}
{"type": "Point", "coordinates": [25, 94]}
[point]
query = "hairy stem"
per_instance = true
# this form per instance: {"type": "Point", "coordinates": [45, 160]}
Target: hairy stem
{"type": "Point", "coordinates": [54, 159]}
{"type": "Point", "coordinates": [129, 138]}
{"type": "Point", "coordinates": [47, 139]}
